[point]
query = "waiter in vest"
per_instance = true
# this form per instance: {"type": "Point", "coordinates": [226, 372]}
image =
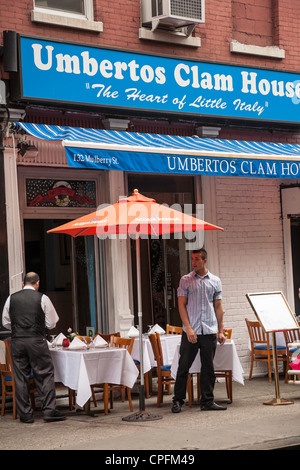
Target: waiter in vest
{"type": "Point", "coordinates": [28, 313]}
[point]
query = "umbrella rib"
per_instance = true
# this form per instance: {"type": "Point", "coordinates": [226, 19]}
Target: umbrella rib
{"type": "Point", "coordinates": [155, 233]}
{"type": "Point", "coordinates": [81, 232]}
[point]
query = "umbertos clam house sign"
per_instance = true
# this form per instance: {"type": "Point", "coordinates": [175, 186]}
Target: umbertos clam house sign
{"type": "Point", "coordinates": [74, 73]}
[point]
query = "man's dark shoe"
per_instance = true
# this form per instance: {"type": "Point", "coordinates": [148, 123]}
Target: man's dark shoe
{"type": "Point", "coordinates": [27, 420]}
{"type": "Point", "coordinates": [54, 416]}
{"type": "Point", "coordinates": [213, 407]}
{"type": "Point", "coordinates": [176, 407]}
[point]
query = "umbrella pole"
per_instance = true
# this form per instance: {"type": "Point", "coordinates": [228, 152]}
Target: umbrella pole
{"type": "Point", "coordinates": [140, 318]}
{"type": "Point", "coordinates": [142, 415]}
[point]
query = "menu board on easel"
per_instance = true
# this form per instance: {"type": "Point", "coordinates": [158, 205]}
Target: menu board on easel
{"type": "Point", "coordinates": [272, 311]}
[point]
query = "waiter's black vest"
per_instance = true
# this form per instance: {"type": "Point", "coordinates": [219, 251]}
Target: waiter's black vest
{"type": "Point", "coordinates": [26, 314]}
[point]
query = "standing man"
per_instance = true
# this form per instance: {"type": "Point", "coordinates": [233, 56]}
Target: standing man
{"type": "Point", "coordinates": [201, 312]}
{"type": "Point", "coordinates": [28, 313]}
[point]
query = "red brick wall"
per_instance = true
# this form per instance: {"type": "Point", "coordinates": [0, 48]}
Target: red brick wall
{"type": "Point", "coordinates": [259, 22]}
{"type": "Point", "coordinates": [253, 22]}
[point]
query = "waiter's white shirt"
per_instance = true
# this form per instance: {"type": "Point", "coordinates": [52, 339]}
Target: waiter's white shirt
{"type": "Point", "coordinates": [51, 317]}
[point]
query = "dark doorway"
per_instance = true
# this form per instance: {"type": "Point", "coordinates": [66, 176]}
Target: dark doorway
{"type": "Point", "coordinates": [67, 273]}
{"type": "Point", "coordinates": [295, 243]}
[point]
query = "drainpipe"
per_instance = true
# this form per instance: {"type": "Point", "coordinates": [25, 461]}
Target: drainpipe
{"type": "Point", "coordinates": [4, 273]}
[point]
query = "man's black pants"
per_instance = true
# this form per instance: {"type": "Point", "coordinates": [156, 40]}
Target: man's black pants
{"type": "Point", "coordinates": [188, 351]}
{"type": "Point", "coordinates": [32, 354]}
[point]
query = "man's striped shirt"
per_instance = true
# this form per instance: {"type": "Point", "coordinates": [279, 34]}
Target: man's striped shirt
{"type": "Point", "coordinates": [200, 293]}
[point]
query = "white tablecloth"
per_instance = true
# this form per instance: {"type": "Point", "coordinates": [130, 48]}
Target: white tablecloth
{"type": "Point", "coordinates": [169, 345]}
{"type": "Point", "coordinates": [80, 369]}
{"type": "Point", "coordinates": [226, 358]}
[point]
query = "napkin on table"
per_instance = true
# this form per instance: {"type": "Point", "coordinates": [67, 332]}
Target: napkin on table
{"type": "Point", "coordinates": [99, 342]}
{"type": "Point", "coordinates": [157, 329]}
{"type": "Point", "coordinates": [77, 344]}
{"type": "Point", "coordinates": [58, 340]}
{"type": "Point", "coordinates": [133, 332]}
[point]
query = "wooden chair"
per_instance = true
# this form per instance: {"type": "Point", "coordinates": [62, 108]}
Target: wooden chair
{"type": "Point", "coordinates": [173, 330]}
{"type": "Point", "coordinates": [190, 388]}
{"type": "Point", "coordinates": [8, 381]}
{"type": "Point", "coordinates": [226, 374]}
{"type": "Point", "coordinates": [177, 330]}
{"type": "Point", "coordinates": [83, 338]}
{"type": "Point", "coordinates": [108, 389]}
{"type": "Point", "coordinates": [107, 337]}
{"type": "Point", "coordinates": [71, 392]}
{"type": "Point", "coordinates": [261, 349]}
{"type": "Point", "coordinates": [163, 370]}
{"type": "Point", "coordinates": [229, 333]}
{"type": "Point", "coordinates": [146, 378]}
{"type": "Point", "coordinates": [290, 336]}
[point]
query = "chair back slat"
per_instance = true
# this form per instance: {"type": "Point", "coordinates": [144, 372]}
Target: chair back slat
{"type": "Point", "coordinates": [125, 343]}
{"type": "Point", "coordinates": [156, 348]}
{"type": "Point", "coordinates": [173, 330]}
{"type": "Point", "coordinates": [256, 333]}
{"type": "Point", "coordinates": [229, 333]}
{"type": "Point", "coordinates": [159, 348]}
{"type": "Point", "coordinates": [261, 349]}
{"type": "Point", "coordinates": [83, 338]}
{"type": "Point", "coordinates": [291, 336]}
{"type": "Point", "coordinates": [9, 363]}
{"type": "Point", "coordinates": [107, 337]}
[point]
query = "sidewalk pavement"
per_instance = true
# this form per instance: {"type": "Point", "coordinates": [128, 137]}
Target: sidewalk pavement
{"type": "Point", "coordinates": [247, 424]}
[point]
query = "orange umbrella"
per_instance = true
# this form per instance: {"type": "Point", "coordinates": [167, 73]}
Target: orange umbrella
{"type": "Point", "coordinates": [135, 215]}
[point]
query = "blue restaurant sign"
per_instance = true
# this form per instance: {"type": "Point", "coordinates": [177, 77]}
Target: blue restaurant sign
{"type": "Point", "coordinates": [180, 164]}
{"type": "Point", "coordinates": [87, 75]}
{"type": "Point", "coordinates": [100, 149]}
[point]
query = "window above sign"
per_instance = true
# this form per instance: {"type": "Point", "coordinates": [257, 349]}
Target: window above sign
{"type": "Point", "coordinates": [70, 13]}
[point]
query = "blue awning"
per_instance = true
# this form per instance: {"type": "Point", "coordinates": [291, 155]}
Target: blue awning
{"type": "Point", "coordinates": [155, 153]}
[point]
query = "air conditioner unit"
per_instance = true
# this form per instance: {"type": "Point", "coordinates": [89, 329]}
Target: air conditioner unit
{"type": "Point", "coordinates": [172, 13]}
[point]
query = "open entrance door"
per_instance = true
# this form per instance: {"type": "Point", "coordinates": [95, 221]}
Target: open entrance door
{"type": "Point", "coordinates": [290, 197]}
{"type": "Point", "coordinates": [295, 246]}
{"type": "Point", "coordinates": [67, 273]}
